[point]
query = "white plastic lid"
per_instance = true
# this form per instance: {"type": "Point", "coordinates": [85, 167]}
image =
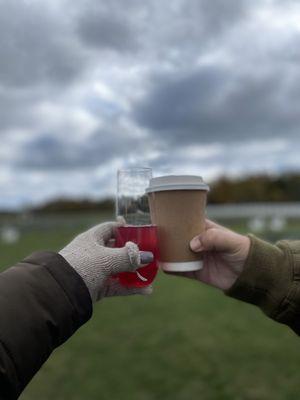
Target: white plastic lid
{"type": "Point", "coordinates": [176, 182]}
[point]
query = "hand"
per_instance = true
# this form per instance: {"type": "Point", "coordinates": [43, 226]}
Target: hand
{"type": "Point", "coordinates": [224, 256]}
{"type": "Point", "coordinates": [95, 262]}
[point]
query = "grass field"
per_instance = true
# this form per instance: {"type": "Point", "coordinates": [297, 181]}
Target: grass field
{"type": "Point", "coordinates": [185, 342]}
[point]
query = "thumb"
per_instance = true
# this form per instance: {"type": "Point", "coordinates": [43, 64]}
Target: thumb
{"type": "Point", "coordinates": [128, 258]}
{"type": "Point", "coordinates": [121, 290]}
{"type": "Point", "coordinates": [214, 239]}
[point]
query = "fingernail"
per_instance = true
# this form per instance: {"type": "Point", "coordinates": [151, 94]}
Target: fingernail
{"type": "Point", "coordinates": [146, 257]}
{"type": "Point", "coordinates": [195, 244]}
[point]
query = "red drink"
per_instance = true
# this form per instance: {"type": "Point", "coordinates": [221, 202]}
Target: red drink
{"type": "Point", "coordinates": [146, 238]}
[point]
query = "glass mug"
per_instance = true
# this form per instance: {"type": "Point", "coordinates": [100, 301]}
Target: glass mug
{"type": "Point", "coordinates": [132, 205]}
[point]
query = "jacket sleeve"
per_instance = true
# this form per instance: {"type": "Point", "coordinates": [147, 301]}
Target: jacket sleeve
{"type": "Point", "coordinates": [271, 280]}
{"type": "Point", "coordinates": [43, 301]}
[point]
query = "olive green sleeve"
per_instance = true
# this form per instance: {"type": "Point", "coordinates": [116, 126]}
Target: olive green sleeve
{"type": "Point", "coordinates": [271, 280]}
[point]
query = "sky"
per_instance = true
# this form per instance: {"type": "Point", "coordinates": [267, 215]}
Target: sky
{"type": "Point", "coordinates": [183, 86]}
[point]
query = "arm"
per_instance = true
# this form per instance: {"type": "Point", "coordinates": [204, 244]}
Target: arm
{"type": "Point", "coordinates": [270, 280]}
{"type": "Point", "coordinates": [48, 296]}
{"type": "Point", "coordinates": [252, 270]}
{"type": "Point", "coordinates": [43, 301]}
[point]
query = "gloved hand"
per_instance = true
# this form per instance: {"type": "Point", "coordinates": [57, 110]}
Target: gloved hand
{"type": "Point", "coordinates": [89, 255]}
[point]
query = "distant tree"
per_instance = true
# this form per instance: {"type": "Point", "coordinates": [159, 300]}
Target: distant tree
{"type": "Point", "coordinates": [72, 205]}
{"type": "Point", "coordinates": [257, 188]}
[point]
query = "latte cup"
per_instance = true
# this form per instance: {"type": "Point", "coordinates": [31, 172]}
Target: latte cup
{"type": "Point", "coordinates": [177, 207]}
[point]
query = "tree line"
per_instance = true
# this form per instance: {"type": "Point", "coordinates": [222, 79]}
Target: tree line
{"type": "Point", "coordinates": [256, 188]}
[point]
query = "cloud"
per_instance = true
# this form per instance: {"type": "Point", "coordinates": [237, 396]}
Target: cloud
{"type": "Point", "coordinates": [105, 30]}
{"type": "Point", "coordinates": [182, 86]}
{"type": "Point", "coordinates": [53, 153]}
{"type": "Point", "coordinates": [198, 23]}
{"type": "Point", "coordinates": [36, 45]}
{"type": "Point", "coordinates": [217, 104]}
{"type": "Point", "coordinates": [76, 141]}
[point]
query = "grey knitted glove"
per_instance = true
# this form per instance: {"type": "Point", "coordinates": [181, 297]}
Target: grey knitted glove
{"type": "Point", "coordinates": [96, 263]}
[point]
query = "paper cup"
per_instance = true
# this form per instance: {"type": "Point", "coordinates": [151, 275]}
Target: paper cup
{"type": "Point", "coordinates": [177, 206]}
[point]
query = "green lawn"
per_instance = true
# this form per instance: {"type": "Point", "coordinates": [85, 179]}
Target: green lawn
{"type": "Point", "coordinates": [185, 342]}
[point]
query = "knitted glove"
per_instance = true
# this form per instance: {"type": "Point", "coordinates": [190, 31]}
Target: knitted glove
{"type": "Point", "coordinates": [96, 263]}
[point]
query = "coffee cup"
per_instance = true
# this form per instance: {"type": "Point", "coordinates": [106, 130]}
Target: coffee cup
{"type": "Point", "coordinates": [177, 207]}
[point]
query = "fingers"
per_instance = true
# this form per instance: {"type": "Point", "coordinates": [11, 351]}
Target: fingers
{"type": "Point", "coordinates": [209, 224]}
{"type": "Point", "coordinates": [104, 232]}
{"type": "Point", "coordinates": [114, 288]}
{"type": "Point", "coordinates": [120, 220]}
{"type": "Point", "coordinates": [127, 258]}
{"type": "Point", "coordinates": [111, 243]}
{"type": "Point", "coordinates": [215, 239]}
{"type": "Point", "coordinates": [196, 244]}
{"type": "Point", "coordinates": [145, 291]}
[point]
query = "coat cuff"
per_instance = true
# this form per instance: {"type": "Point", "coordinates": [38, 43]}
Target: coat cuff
{"type": "Point", "coordinates": [70, 282]}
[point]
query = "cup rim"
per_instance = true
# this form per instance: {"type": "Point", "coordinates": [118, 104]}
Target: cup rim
{"type": "Point", "coordinates": [177, 182]}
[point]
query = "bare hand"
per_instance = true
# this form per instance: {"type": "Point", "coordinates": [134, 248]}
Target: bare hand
{"type": "Point", "coordinates": [224, 256]}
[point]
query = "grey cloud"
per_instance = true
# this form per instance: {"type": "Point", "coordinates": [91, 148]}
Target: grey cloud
{"type": "Point", "coordinates": [36, 46]}
{"type": "Point", "coordinates": [139, 68]}
{"type": "Point", "coordinates": [157, 27]}
{"type": "Point", "coordinates": [182, 31]}
{"type": "Point", "coordinates": [49, 152]}
{"type": "Point", "coordinates": [14, 112]}
{"type": "Point", "coordinates": [219, 14]}
{"type": "Point", "coordinates": [19, 107]}
{"type": "Point", "coordinates": [205, 20]}
{"type": "Point", "coordinates": [107, 31]}
{"type": "Point", "coordinates": [212, 104]}
{"type": "Point", "coordinates": [39, 60]}
{"type": "Point", "coordinates": [249, 157]}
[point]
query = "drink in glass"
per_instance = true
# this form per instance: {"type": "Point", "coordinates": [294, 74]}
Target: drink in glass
{"type": "Point", "coordinates": [132, 205]}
